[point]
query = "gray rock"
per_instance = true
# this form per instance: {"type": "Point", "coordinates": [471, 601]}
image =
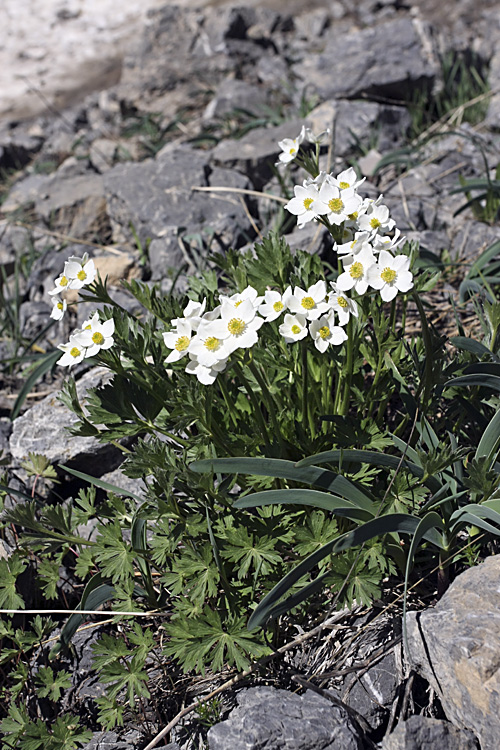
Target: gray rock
{"type": "Point", "coordinates": [373, 693]}
{"type": "Point", "coordinates": [365, 63]}
{"type": "Point", "coordinates": [42, 429]}
{"type": "Point", "coordinates": [422, 733]}
{"type": "Point", "coordinates": [106, 741]}
{"type": "Point", "coordinates": [271, 719]}
{"type": "Point", "coordinates": [156, 196]}
{"type": "Point", "coordinates": [233, 94]}
{"type": "Point", "coordinates": [456, 647]}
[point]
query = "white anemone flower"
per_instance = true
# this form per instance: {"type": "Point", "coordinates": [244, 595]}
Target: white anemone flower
{"type": "Point", "coordinates": [346, 179]}
{"type": "Point", "coordinates": [238, 325]}
{"type": "Point", "coordinates": [249, 293]}
{"type": "Point", "coordinates": [317, 139]}
{"type": "Point", "coordinates": [193, 313]}
{"type": "Point", "coordinates": [305, 205]}
{"type": "Point", "coordinates": [376, 219]}
{"type": "Point", "coordinates": [178, 340]}
{"type": "Point", "coordinates": [274, 304]}
{"type": "Point", "coordinates": [324, 332]}
{"type": "Point", "coordinates": [338, 204]}
{"type": "Point", "coordinates": [390, 275]}
{"type": "Point", "coordinates": [343, 306]}
{"type": "Point", "coordinates": [79, 271]}
{"type": "Point", "coordinates": [354, 246]}
{"type": "Point", "coordinates": [98, 336]}
{"type": "Point", "coordinates": [310, 304]}
{"type": "Point", "coordinates": [205, 375]}
{"type": "Point", "coordinates": [61, 284]}
{"type": "Point", "coordinates": [74, 353]}
{"type": "Point", "coordinates": [59, 307]}
{"type": "Point", "coordinates": [356, 269]}
{"type": "Point", "coordinates": [294, 328]}
{"type": "Point", "coordinates": [383, 242]}
{"type": "Point", "coordinates": [208, 347]}
{"type": "Point", "coordinates": [290, 147]}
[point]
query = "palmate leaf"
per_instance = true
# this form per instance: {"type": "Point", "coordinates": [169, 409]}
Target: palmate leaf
{"type": "Point", "coordinates": [115, 555]}
{"type": "Point", "coordinates": [9, 572]}
{"type": "Point", "coordinates": [205, 642]}
{"type": "Point", "coordinates": [249, 552]}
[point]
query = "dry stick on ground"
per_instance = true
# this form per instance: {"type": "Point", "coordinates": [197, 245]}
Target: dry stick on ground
{"type": "Point", "coordinates": [244, 191]}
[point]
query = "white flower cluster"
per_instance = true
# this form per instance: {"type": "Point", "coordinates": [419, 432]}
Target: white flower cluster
{"type": "Point", "coordinates": [290, 146]}
{"type": "Point", "coordinates": [94, 335]}
{"type": "Point", "coordinates": [209, 338]}
{"type": "Point", "coordinates": [77, 273]}
{"type": "Point", "coordinates": [367, 251]}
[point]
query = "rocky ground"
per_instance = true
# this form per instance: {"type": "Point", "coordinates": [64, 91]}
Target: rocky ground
{"type": "Point", "coordinates": [201, 102]}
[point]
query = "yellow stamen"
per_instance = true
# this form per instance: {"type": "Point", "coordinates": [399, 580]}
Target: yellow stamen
{"type": "Point", "coordinates": [278, 306]}
{"type": "Point", "coordinates": [295, 329]}
{"type": "Point", "coordinates": [324, 332]}
{"type": "Point", "coordinates": [81, 275]}
{"type": "Point", "coordinates": [182, 343]}
{"type": "Point", "coordinates": [64, 281]}
{"type": "Point", "coordinates": [375, 223]}
{"type": "Point", "coordinates": [356, 270]}
{"type": "Point", "coordinates": [335, 205]}
{"type": "Point", "coordinates": [388, 275]}
{"type": "Point", "coordinates": [60, 306]}
{"type": "Point", "coordinates": [308, 303]}
{"type": "Point", "coordinates": [75, 351]}
{"type": "Point", "coordinates": [342, 302]}
{"type": "Point", "coordinates": [212, 343]}
{"type": "Point", "coordinates": [98, 338]}
{"type": "Point", "coordinates": [353, 216]}
{"type": "Point", "coordinates": [236, 326]}
{"type": "Point", "coordinates": [344, 185]}
{"type": "Point", "coordinates": [308, 203]}
{"type": "Point", "coordinates": [238, 303]}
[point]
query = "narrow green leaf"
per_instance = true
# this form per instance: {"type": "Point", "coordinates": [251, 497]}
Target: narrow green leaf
{"type": "Point", "coordinates": [100, 483]}
{"type": "Point", "coordinates": [486, 381]}
{"type": "Point", "coordinates": [490, 439]}
{"type": "Point", "coordinates": [471, 345]}
{"type": "Point", "coordinates": [45, 365]}
{"type": "Point", "coordinates": [280, 469]}
{"type": "Point", "coordinates": [337, 505]}
{"type": "Point", "coordinates": [95, 594]}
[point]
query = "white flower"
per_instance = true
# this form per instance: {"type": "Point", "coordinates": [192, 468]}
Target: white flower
{"type": "Point", "coordinates": [290, 147]}
{"type": "Point", "coordinates": [338, 204]}
{"type": "Point", "coordinates": [208, 347]}
{"type": "Point", "coordinates": [342, 305]}
{"type": "Point", "coordinates": [356, 268]}
{"type": "Point", "coordinates": [178, 340]}
{"type": "Point", "coordinates": [61, 284]}
{"type": "Point", "coordinates": [309, 135]}
{"type": "Point", "coordinates": [206, 375]}
{"type": "Point", "coordinates": [354, 246]}
{"type": "Point", "coordinates": [310, 304]}
{"type": "Point", "coordinates": [238, 325]}
{"type": "Point", "coordinates": [324, 332]}
{"type": "Point", "coordinates": [193, 312]}
{"type": "Point", "coordinates": [293, 328]}
{"type": "Point", "coordinates": [58, 308]}
{"type": "Point", "coordinates": [376, 219]}
{"type": "Point", "coordinates": [249, 293]}
{"type": "Point", "coordinates": [390, 275]}
{"type": "Point", "coordinates": [305, 205]}
{"type": "Point", "coordinates": [79, 271]}
{"type": "Point", "coordinates": [274, 304]}
{"type": "Point", "coordinates": [98, 336]}
{"type": "Point", "coordinates": [74, 352]}
{"type": "Point", "coordinates": [346, 179]}
{"type": "Point", "coordinates": [382, 242]}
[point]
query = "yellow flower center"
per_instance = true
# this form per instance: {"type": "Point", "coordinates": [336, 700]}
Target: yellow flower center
{"type": "Point", "coordinates": [81, 275]}
{"type": "Point", "coordinates": [60, 306]}
{"type": "Point", "coordinates": [236, 326]}
{"type": "Point", "coordinates": [75, 351]}
{"type": "Point", "coordinates": [292, 151]}
{"type": "Point", "coordinates": [308, 303]}
{"type": "Point", "coordinates": [375, 223]}
{"type": "Point", "coordinates": [356, 270]}
{"type": "Point", "coordinates": [278, 306]}
{"type": "Point", "coordinates": [344, 185]}
{"type": "Point", "coordinates": [308, 203]}
{"type": "Point", "coordinates": [182, 343]}
{"type": "Point", "coordinates": [238, 303]}
{"type": "Point", "coordinates": [64, 281]}
{"type": "Point", "coordinates": [336, 205]}
{"type": "Point", "coordinates": [295, 329]}
{"type": "Point", "coordinates": [342, 302]}
{"type": "Point", "coordinates": [388, 275]}
{"type": "Point", "coordinates": [212, 343]}
{"type": "Point", "coordinates": [353, 216]}
{"type": "Point", "coordinates": [98, 338]}
{"type": "Point", "coordinates": [324, 332]}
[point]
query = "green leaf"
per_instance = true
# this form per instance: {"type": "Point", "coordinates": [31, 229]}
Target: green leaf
{"type": "Point", "coordinates": [10, 570]}
{"type": "Point", "coordinates": [46, 364]}
{"type": "Point", "coordinates": [490, 440]}
{"type": "Point", "coordinates": [471, 345]}
{"type": "Point", "coordinates": [278, 468]}
{"type": "Point", "coordinates": [486, 381]}
{"type": "Point", "coordinates": [337, 505]}
{"type": "Point", "coordinates": [51, 686]}
{"type": "Point", "coordinates": [100, 483]}
{"type": "Point", "coordinates": [95, 594]}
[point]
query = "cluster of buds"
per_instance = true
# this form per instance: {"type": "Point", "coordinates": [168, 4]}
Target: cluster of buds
{"type": "Point", "coordinates": [77, 273]}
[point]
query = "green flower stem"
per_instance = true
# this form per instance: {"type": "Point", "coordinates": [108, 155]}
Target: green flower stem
{"type": "Point", "coordinates": [426, 381]}
{"type": "Point", "coordinates": [266, 395]}
{"type": "Point", "coordinates": [255, 403]}
{"type": "Point", "coordinates": [349, 362]}
{"type": "Point", "coordinates": [150, 426]}
{"type": "Point", "coordinates": [307, 418]}
{"type": "Point", "coordinates": [225, 394]}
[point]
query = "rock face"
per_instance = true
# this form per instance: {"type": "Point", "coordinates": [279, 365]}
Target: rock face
{"type": "Point", "coordinates": [456, 647]}
{"type": "Point", "coordinates": [268, 719]}
{"type": "Point", "coordinates": [422, 733]}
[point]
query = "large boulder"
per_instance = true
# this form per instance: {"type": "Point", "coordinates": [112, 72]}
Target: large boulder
{"type": "Point", "coordinates": [456, 647]}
